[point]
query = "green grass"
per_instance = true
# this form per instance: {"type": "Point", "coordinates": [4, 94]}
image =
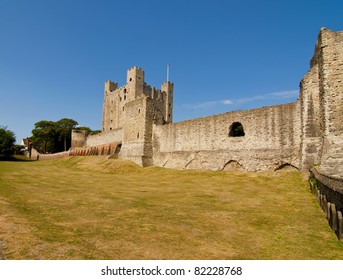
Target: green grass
{"type": "Point", "coordinates": [99, 208]}
{"type": "Point", "coordinates": [14, 158]}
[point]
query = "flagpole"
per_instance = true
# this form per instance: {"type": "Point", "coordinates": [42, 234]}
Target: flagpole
{"type": "Point", "coordinates": [168, 72]}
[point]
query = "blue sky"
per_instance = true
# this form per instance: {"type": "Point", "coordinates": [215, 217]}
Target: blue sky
{"type": "Point", "coordinates": [225, 55]}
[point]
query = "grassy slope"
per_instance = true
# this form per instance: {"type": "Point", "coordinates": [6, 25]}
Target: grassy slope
{"type": "Point", "coordinates": [97, 208]}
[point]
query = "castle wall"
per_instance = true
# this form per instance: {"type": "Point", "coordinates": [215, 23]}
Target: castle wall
{"type": "Point", "coordinates": [312, 119]}
{"type": "Point", "coordinates": [78, 138]}
{"type": "Point", "coordinates": [272, 139]}
{"type": "Point", "coordinates": [330, 63]}
{"type": "Point", "coordinates": [302, 134]}
{"type": "Point", "coordinates": [105, 138]}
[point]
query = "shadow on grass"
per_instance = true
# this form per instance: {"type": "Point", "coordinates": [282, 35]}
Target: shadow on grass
{"type": "Point", "coordinates": [15, 158]}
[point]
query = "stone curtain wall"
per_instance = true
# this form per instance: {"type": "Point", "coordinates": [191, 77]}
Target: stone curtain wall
{"type": "Point", "coordinates": [35, 155]}
{"type": "Point", "coordinates": [272, 140]}
{"type": "Point", "coordinates": [105, 138]}
{"type": "Point", "coordinates": [302, 134]}
{"type": "Point", "coordinates": [101, 150]}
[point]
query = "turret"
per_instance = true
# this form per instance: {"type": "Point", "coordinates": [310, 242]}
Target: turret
{"type": "Point", "coordinates": [135, 81]}
{"type": "Point", "coordinates": [168, 88]}
{"type": "Point", "coordinates": [110, 86]}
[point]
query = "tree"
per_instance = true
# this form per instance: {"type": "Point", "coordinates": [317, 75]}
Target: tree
{"type": "Point", "coordinates": [64, 127]}
{"type": "Point", "coordinates": [53, 137]}
{"type": "Point", "coordinates": [88, 130]}
{"type": "Point", "coordinates": [7, 139]}
{"type": "Point", "coordinates": [85, 128]}
{"type": "Point", "coordinates": [44, 136]}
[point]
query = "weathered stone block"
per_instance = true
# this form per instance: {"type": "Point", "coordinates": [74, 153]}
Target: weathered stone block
{"type": "Point", "coordinates": [333, 217]}
{"type": "Point", "coordinates": [340, 225]}
{"type": "Point", "coordinates": [328, 207]}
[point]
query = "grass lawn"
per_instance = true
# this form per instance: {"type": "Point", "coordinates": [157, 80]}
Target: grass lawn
{"type": "Point", "coordinates": [99, 208]}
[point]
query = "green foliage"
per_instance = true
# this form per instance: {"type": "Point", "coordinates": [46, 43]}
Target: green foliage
{"type": "Point", "coordinates": [64, 127]}
{"type": "Point", "coordinates": [44, 136]}
{"type": "Point", "coordinates": [52, 137]}
{"type": "Point", "coordinates": [88, 130]}
{"type": "Point", "coordinates": [313, 184]}
{"type": "Point", "coordinates": [95, 132]}
{"type": "Point", "coordinates": [18, 149]}
{"type": "Point", "coordinates": [7, 139]}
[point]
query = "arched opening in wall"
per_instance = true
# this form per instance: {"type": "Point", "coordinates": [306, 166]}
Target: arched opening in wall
{"type": "Point", "coordinates": [232, 165]}
{"type": "Point", "coordinates": [137, 135]}
{"type": "Point", "coordinates": [110, 128]}
{"type": "Point", "coordinates": [236, 130]}
{"type": "Point", "coordinates": [287, 167]}
{"type": "Point", "coordinates": [117, 150]}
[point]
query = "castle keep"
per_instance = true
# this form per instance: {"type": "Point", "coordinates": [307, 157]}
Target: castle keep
{"type": "Point", "coordinates": [137, 125]}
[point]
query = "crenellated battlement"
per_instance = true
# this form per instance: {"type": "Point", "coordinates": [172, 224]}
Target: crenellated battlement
{"type": "Point", "coordinates": [118, 100]}
{"type": "Point", "coordinates": [110, 86]}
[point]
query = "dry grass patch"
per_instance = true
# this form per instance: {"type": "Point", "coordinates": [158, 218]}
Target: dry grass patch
{"type": "Point", "coordinates": [99, 208]}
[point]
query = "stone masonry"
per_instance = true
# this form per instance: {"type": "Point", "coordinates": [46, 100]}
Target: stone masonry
{"type": "Point", "coordinates": [137, 125]}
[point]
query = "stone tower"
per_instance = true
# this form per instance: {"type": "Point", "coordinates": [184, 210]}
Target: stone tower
{"type": "Point", "coordinates": [322, 104]}
{"type": "Point", "coordinates": [134, 108]}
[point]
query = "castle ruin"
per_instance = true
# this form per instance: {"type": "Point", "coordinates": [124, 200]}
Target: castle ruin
{"type": "Point", "coordinates": [137, 125]}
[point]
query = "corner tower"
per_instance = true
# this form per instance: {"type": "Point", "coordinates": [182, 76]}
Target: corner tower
{"type": "Point", "coordinates": [168, 88]}
{"type": "Point", "coordinates": [109, 106]}
{"type": "Point", "coordinates": [135, 82]}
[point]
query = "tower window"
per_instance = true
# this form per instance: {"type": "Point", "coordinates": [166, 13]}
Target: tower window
{"type": "Point", "coordinates": [125, 97]}
{"type": "Point", "coordinates": [236, 130]}
{"type": "Point", "coordinates": [124, 90]}
{"type": "Point", "coordinates": [137, 135]}
{"type": "Point", "coordinates": [130, 79]}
